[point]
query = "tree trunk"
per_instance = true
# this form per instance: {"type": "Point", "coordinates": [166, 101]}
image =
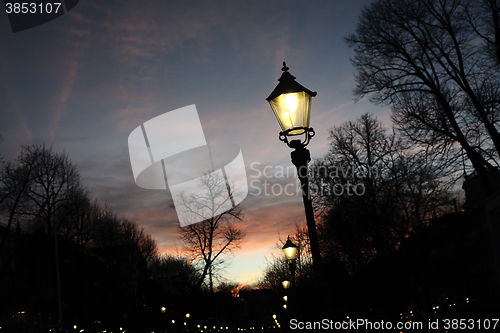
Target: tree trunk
{"type": "Point", "coordinates": [210, 277]}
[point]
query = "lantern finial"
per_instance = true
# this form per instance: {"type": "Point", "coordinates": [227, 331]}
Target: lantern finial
{"type": "Point", "coordinates": [285, 69]}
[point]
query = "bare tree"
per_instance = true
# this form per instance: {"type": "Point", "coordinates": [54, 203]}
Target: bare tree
{"type": "Point", "coordinates": [484, 18]}
{"type": "Point", "coordinates": [79, 219]}
{"type": "Point", "coordinates": [275, 273]}
{"type": "Point", "coordinates": [218, 234]}
{"type": "Point", "coordinates": [374, 191]}
{"type": "Point", "coordinates": [431, 61]}
{"type": "Point", "coordinates": [175, 274]}
{"type": "Point", "coordinates": [13, 183]}
{"type": "Point", "coordinates": [101, 260]}
{"type": "Point", "coordinates": [127, 251]}
{"type": "Point", "coordinates": [228, 288]}
{"type": "Point", "coordinates": [54, 182]}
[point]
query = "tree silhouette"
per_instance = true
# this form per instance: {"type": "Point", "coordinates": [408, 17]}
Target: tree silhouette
{"type": "Point", "coordinates": [206, 241]}
{"type": "Point", "coordinates": [54, 182]}
{"type": "Point", "coordinates": [373, 191]}
{"type": "Point", "coordinates": [175, 274]}
{"type": "Point", "coordinates": [432, 61]}
{"type": "Point", "coordinates": [14, 182]}
{"type": "Point", "coordinates": [67, 255]}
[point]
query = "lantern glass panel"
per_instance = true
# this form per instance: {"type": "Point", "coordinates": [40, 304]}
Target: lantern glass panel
{"type": "Point", "coordinates": [292, 111]}
{"type": "Point", "coordinates": [290, 252]}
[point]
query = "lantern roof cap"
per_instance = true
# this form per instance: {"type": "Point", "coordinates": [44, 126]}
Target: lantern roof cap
{"type": "Point", "coordinates": [288, 244]}
{"type": "Point", "coordinates": [287, 84]}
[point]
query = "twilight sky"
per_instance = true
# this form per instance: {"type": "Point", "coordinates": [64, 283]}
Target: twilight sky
{"type": "Point", "coordinates": [84, 81]}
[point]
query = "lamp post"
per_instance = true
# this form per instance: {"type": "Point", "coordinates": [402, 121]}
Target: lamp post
{"type": "Point", "coordinates": [291, 104]}
{"type": "Point", "coordinates": [290, 251]}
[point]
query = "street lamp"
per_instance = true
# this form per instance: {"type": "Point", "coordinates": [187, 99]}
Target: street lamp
{"type": "Point", "coordinates": [291, 104]}
{"type": "Point", "coordinates": [286, 284]}
{"type": "Point", "coordinates": [290, 251]}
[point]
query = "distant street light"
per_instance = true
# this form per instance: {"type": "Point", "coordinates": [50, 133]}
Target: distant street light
{"type": "Point", "coordinates": [291, 104]}
{"type": "Point", "coordinates": [286, 284]}
{"type": "Point", "coordinates": [290, 251]}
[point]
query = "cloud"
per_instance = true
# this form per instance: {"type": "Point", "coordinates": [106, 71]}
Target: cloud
{"type": "Point", "coordinates": [68, 83]}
